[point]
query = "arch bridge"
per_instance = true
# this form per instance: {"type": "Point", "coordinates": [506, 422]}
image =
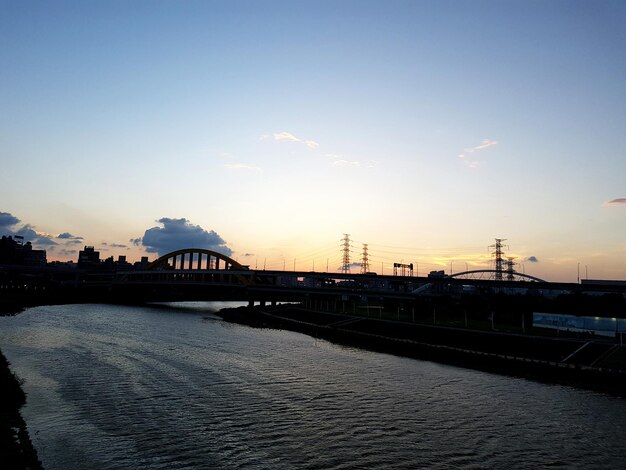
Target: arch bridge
{"type": "Point", "coordinates": [195, 259]}
{"type": "Point", "coordinates": [189, 273]}
{"type": "Point", "coordinates": [490, 274]}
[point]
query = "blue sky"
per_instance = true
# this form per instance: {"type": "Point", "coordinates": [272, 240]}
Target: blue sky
{"type": "Point", "coordinates": [282, 125]}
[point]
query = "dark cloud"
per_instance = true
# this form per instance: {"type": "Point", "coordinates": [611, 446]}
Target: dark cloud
{"type": "Point", "coordinates": [76, 241]}
{"type": "Point", "coordinates": [177, 234]}
{"type": "Point", "coordinates": [135, 241]}
{"type": "Point", "coordinates": [66, 252]}
{"type": "Point", "coordinates": [247, 255]}
{"type": "Point", "coordinates": [118, 245]}
{"type": "Point", "coordinates": [26, 231]}
{"type": "Point", "coordinates": [30, 235]}
{"type": "Point", "coordinates": [44, 240]}
{"type": "Point", "coordinates": [68, 236]}
{"type": "Point", "coordinates": [7, 220]}
{"type": "Point", "coordinates": [532, 259]}
{"type": "Point", "coordinates": [619, 200]}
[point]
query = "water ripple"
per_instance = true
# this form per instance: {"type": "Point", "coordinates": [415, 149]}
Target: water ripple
{"type": "Point", "coordinates": [163, 387]}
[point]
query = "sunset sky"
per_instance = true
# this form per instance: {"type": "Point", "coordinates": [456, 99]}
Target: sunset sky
{"type": "Point", "coordinates": [268, 129]}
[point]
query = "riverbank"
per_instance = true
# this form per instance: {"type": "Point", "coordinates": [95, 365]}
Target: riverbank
{"type": "Point", "coordinates": [16, 448]}
{"type": "Point", "coordinates": [551, 360]}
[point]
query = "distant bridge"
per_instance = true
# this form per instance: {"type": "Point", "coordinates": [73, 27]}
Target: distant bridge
{"type": "Point", "coordinates": [198, 274]}
{"type": "Point", "coordinates": [492, 272]}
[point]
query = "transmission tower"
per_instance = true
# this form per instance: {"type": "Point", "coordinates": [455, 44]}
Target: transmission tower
{"type": "Point", "coordinates": [345, 266]}
{"type": "Point", "coordinates": [498, 254]}
{"type": "Point", "coordinates": [365, 262]}
{"type": "Point", "coordinates": [509, 268]}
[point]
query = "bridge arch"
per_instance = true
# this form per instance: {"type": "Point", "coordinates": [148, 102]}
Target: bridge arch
{"type": "Point", "coordinates": [194, 259]}
{"type": "Point", "coordinates": [493, 271]}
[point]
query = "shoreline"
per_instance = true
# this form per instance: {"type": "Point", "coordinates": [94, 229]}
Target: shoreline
{"type": "Point", "coordinates": [16, 448]}
{"type": "Point", "coordinates": [530, 357]}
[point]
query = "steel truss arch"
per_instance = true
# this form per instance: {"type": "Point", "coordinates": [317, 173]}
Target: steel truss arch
{"type": "Point", "coordinates": [493, 271]}
{"type": "Point", "coordinates": [195, 259]}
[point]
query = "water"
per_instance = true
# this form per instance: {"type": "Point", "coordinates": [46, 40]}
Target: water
{"type": "Point", "coordinates": [175, 387]}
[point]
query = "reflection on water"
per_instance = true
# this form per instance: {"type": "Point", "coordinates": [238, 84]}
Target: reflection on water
{"type": "Point", "coordinates": [172, 386]}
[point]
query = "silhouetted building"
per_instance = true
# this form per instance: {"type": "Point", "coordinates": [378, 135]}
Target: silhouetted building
{"type": "Point", "coordinates": [109, 264]}
{"type": "Point", "coordinates": [15, 252]}
{"type": "Point", "coordinates": [143, 264]}
{"type": "Point", "coordinates": [32, 257]}
{"type": "Point", "coordinates": [88, 258]}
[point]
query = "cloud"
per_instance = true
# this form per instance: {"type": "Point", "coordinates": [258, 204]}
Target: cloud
{"type": "Point", "coordinates": [289, 137]}
{"type": "Point", "coordinates": [286, 136]}
{"type": "Point", "coordinates": [118, 245]}
{"type": "Point", "coordinates": [532, 259]}
{"type": "Point", "coordinates": [341, 161]}
{"type": "Point", "coordinates": [65, 252]}
{"type": "Point", "coordinates": [177, 234]}
{"type": "Point", "coordinates": [68, 236]}
{"type": "Point", "coordinates": [26, 231]}
{"type": "Point", "coordinates": [114, 245]}
{"type": "Point", "coordinates": [7, 220]}
{"type": "Point", "coordinates": [30, 235]}
{"type": "Point", "coordinates": [616, 202]}
{"type": "Point", "coordinates": [472, 163]}
{"type": "Point", "coordinates": [483, 145]}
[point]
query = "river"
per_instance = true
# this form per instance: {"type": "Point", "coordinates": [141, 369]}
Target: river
{"type": "Point", "coordinates": [174, 386]}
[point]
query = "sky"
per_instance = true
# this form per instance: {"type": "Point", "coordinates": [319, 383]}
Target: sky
{"type": "Point", "coordinates": [267, 130]}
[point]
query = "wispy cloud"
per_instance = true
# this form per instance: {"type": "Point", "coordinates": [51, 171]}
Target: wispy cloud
{"type": "Point", "coordinates": [289, 137]}
{"type": "Point", "coordinates": [616, 202]}
{"type": "Point", "coordinates": [335, 160]}
{"type": "Point", "coordinates": [469, 151]}
{"type": "Point", "coordinates": [68, 236]}
{"type": "Point", "coordinates": [341, 161]}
